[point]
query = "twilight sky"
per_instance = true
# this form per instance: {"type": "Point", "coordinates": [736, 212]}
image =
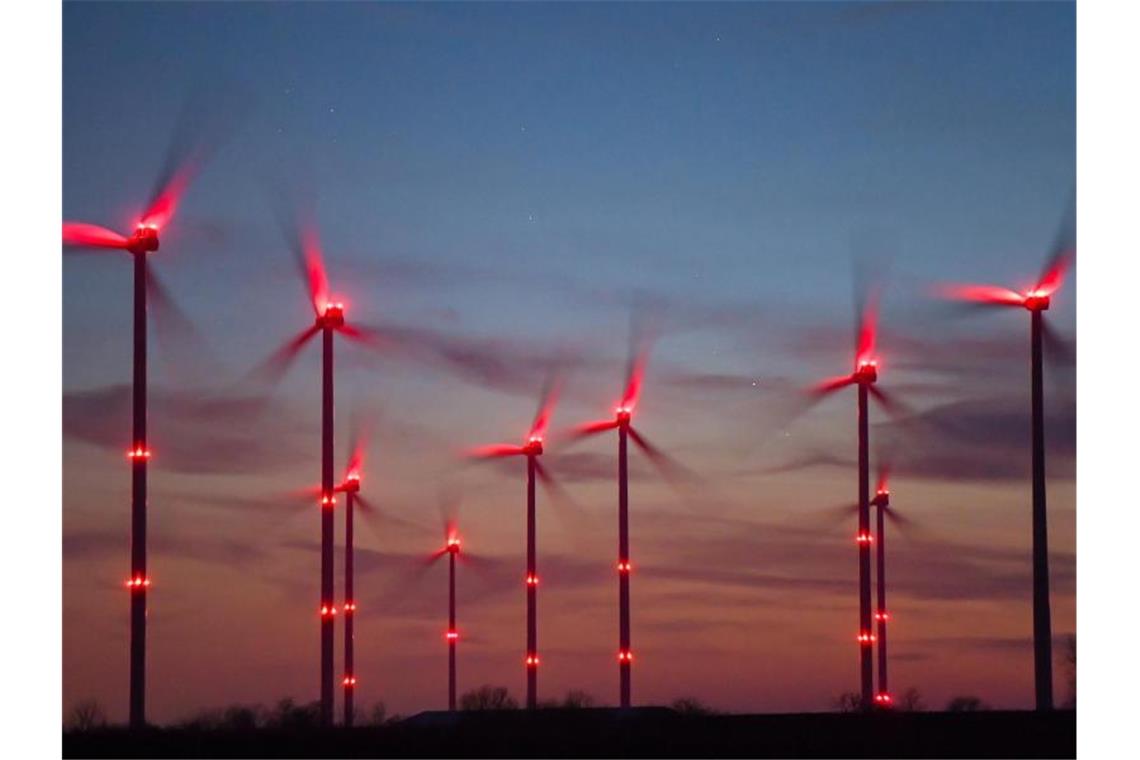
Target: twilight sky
{"type": "Point", "coordinates": [513, 178]}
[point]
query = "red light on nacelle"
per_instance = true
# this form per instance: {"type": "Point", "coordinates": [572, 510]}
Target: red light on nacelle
{"type": "Point", "coordinates": [867, 370]}
{"type": "Point", "coordinates": [532, 580]}
{"type": "Point", "coordinates": [532, 660]}
{"type": "Point", "coordinates": [453, 545]}
{"type": "Point", "coordinates": [624, 413]}
{"type": "Point", "coordinates": [1036, 300]}
{"type": "Point", "coordinates": [332, 315]}
{"type": "Point", "coordinates": [625, 656]}
{"type": "Point", "coordinates": [624, 567]}
{"type": "Point", "coordinates": [138, 452]}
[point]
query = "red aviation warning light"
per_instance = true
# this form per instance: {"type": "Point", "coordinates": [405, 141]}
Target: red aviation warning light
{"type": "Point", "coordinates": [138, 452]}
{"type": "Point", "coordinates": [883, 700]}
{"type": "Point", "coordinates": [351, 482]}
{"type": "Point", "coordinates": [349, 681]}
{"type": "Point", "coordinates": [532, 580]}
{"type": "Point", "coordinates": [625, 656]}
{"type": "Point", "coordinates": [349, 607]}
{"type": "Point", "coordinates": [532, 660]}
{"type": "Point", "coordinates": [1037, 300]}
{"type": "Point", "coordinates": [332, 316]}
{"type": "Point", "coordinates": [866, 371]}
{"type": "Point", "coordinates": [864, 538]}
{"type": "Point", "coordinates": [144, 239]}
{"type": "Point", "coordinates": [452, 635]}
{"type": "Point", "coordinates": [327, 611]}
{"type": "Point", "coordinates": [624, 567]}
{"type": "Point", "coordinates": [884, 616]}
{"type": "Point", "coordinates": [866, 638]}
{"type": "Point", "coordinates": [328, 501]}
{"type": "Point", "coordinates": [137, 582]}
{"type": "Point", "coordinates": [453, 545]}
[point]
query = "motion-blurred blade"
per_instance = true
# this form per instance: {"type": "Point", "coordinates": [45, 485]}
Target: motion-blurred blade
{"type": "Point", "coordinates": [1061, 253]}
{"type": "Point", "coordinates": [672, 470]}
{"type": "Point", "coordinates": [568, 511]}
{"type": "Point", "coordinates": [273, 368]}
{"type": "Point", "coordinates": [980, 295]}
{"type": "Point", "coordinates": [591, 428]}
{"type": "Point", "coordinates": [83, 235]}
{"type": "Point", "coordinates": [1060, 353]}
{"type": "Point", "coordinates": [382, 518]}
{"type": "Point", "coordinates": [547, 400]}
{"type": "Point", "coordinates": [207, 119]}
{"type": "Point", "coordinates": [889, 401]}
{"type": "Point", "coordinates": [495, 451]}
{"type": "Point", "coordinates": [179, 338]}
{"type": "Point", "coordinates": [823, 388]}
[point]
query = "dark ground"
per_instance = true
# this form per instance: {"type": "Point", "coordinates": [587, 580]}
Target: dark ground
{"type": "Point", "coordinates": [641, 732]}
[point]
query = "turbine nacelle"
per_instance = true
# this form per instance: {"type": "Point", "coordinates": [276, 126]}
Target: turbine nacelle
{"type": "Point", "coordinates": [882, 498]}
{"type": "Point", "coordinates": [332, 317]}
{"type": "Point", "coordinates": [866, 371]}
{"type": "Point", "coordinates": [1036, 300]}
{"type": "Point", "coordinates": [144, 239]}
{"type": "Point", "coordinates": [453, 545]}
{"type": "Point", "coordinates": [533, 446]}
{"type": "Point", "coordinates": [624, 415]}
{"type": "Point", "coordinates": [351, 482]}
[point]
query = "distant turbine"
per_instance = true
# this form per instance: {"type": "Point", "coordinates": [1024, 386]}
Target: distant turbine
{"type": "Point", "coordinates": [1035, 300]}
{"type": "Point", "coordinates": [531, 449]}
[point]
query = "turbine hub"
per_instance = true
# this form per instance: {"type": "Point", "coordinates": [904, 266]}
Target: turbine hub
{"type": "Point", "coordinates": [533, 446]}
{"type": "Point", "coordinates": [333, 316]}
{"type": "Point", "coordinates": [144, 239]}
{"type": "Point", "coordinates": [867, 371]}
{"type": "Point", "coordinates": [453, 545]}
{"type": "Point", "coordinates": [1036, 300]}
{"type": "Point", "coordinates": [352, 482]}
{"type": "Point", "coordinates": [624, 414]}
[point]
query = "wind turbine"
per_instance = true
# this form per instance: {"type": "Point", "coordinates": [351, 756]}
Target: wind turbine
{"type": "Point", "coordinates": [531, 448]}
{"type": "Point", "coordinates": [330, 319]}
{"type": "Point", "coordinates": [864, 377]}
{"type": "Point", "coordinates": [623, 423]}
{"type": "Point", "coordinates": [185, 157]}
{"type": "Point", "coordinates": [1036, 300]}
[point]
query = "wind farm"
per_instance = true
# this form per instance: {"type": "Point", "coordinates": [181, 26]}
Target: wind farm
{"type": "Point", "coordinates": [646, 334]}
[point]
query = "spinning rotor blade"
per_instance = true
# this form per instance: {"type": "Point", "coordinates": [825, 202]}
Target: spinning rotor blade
{"type": "Point", "coordinates": [79, 235]}
{"type": "Point", "coordinates": [273, 368]}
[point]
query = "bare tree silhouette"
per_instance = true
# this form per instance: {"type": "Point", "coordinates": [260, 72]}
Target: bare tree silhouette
{"type": "Point", "coordinates": [86, 715]}
{"type": "Point", "coordinates": [691, 706]}
{"type": "Point", "coordinates": [577, 699]}
{"type": "Point", "coordinates": [488, 697]}
{"type": "Point", "coordinates": [966, 704]}
{"type": "Point", "coordinates": [848, 701]}
{"type": "Point", "coordinates": [1070, 655]}
{"type": "Point", "coordinates": [911, 701]}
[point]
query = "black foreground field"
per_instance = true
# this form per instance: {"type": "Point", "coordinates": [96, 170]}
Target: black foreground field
{"type": "Point", "coordinates": [640, 732]}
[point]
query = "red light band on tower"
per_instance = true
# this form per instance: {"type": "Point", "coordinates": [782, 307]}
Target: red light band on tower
{"type": "Point", "coordinates": [532, 660]}
{"type": "Point", "coordinates": [866, 638]}
{"type": "Point", "coordinates": [138, 452]}
{"type": "Point", "coordinates": [349, 681]}
{"type": "Point", "coordinates": [884, 616]}
{"type": "Point", "coordinates": [625, 656]}
{"type": "Point", "coordinates": [624, 567]}
{"type": "Point", "coordinates": [137, 582]}
{"type": "Point", "coordinates": [864, 538]}
{"type": "Point", "coordinates": [350, 607]}
{"type": "Point", "coordinates": [327, 611]}
{"type": "Point", "coordinates": [532, 580]}
{"type": "Point", "coordinates": [328, 501]}
{"type": "Point", "coordinates": [452, 635]}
